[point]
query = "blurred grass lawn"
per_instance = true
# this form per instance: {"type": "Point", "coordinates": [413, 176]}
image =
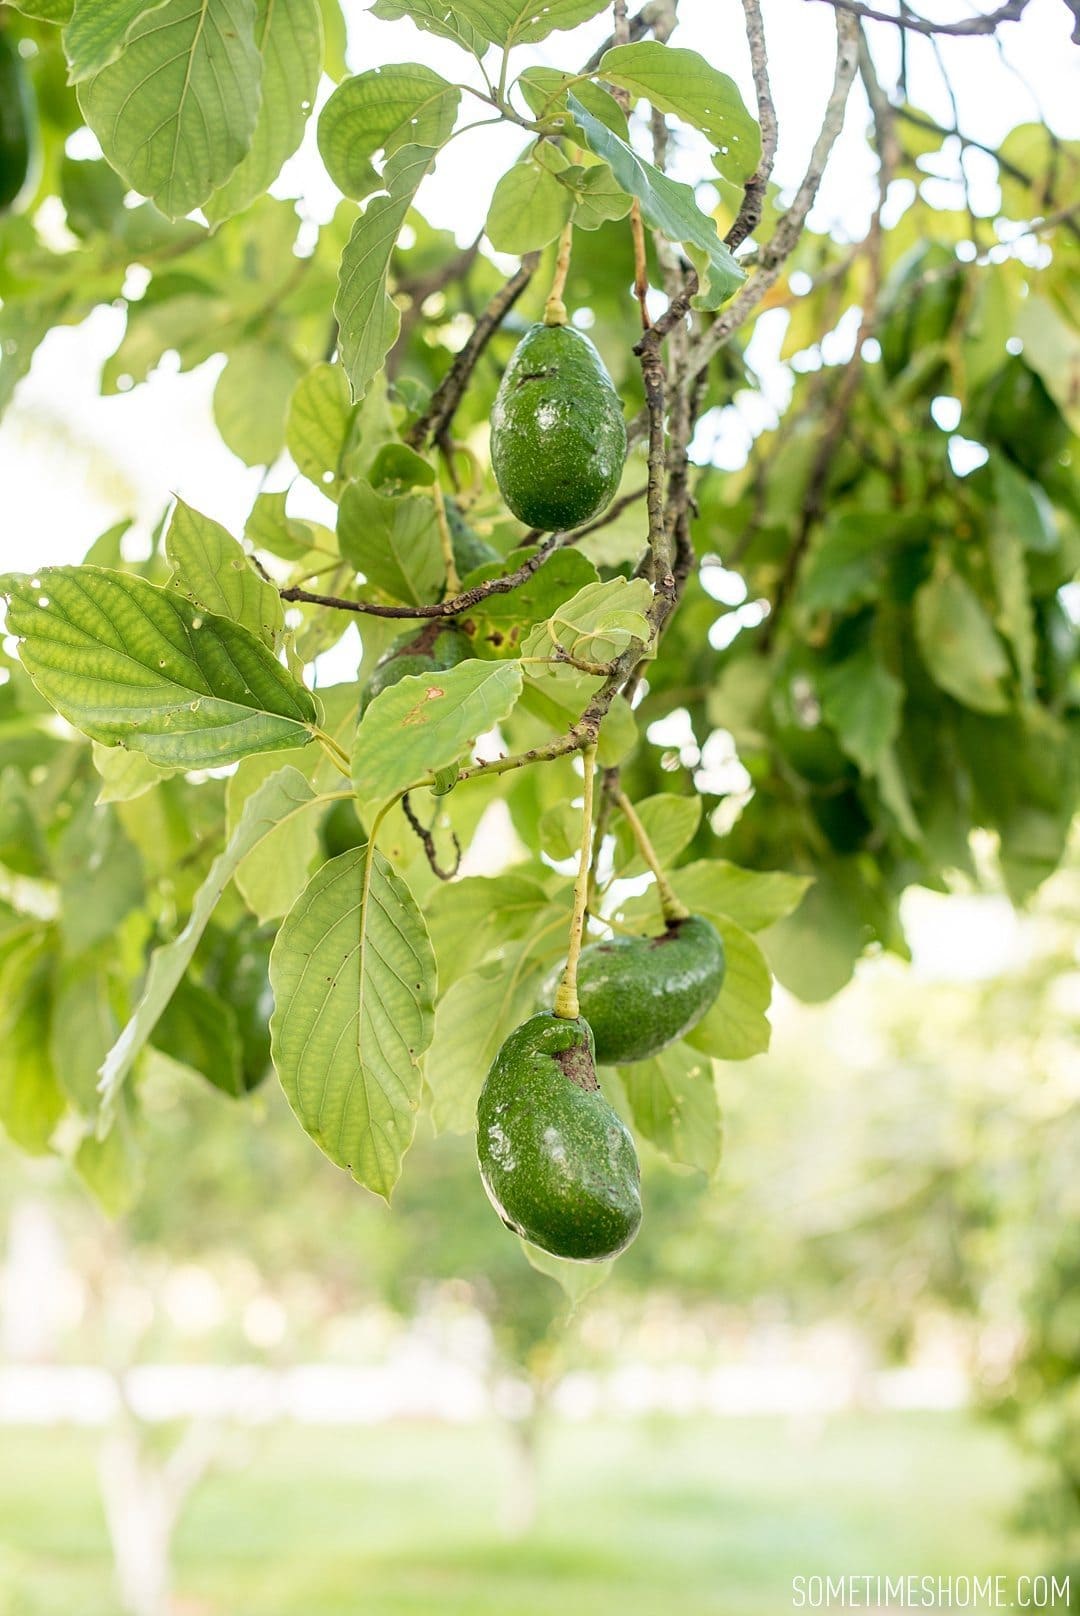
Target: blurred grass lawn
{"type": "Point", "coordinates": [704, 1517]}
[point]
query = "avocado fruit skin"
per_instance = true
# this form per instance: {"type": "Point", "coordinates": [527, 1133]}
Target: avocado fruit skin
{"type": "Point", "coordinates": [640, 994]}
{"type": "Point", "coordinates": [16, 123]}
{"type": "Point", "coordinates": [437, 646]}
{"type": "Point", "coordinates": [470, 550]}
{"type": "Point", "coordinates": [558, 438]}
{"type": "Point", "coordinates": [558, 1164]}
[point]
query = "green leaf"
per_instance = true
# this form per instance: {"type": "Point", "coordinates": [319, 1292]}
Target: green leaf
{"type": "Point", "coordinates": [471, 1021]}
{"type": "Point", "coordinates": [596, 625]}
{"type": "Point", "coordinates": [498, 621]}
{"type": "Point", "coordinates": [317, 427]}
{"type": "Point", "coordinates": [427, 721]}
{"type": "Point", "coordinates": [384, 109]}
{"type": "Point", "coordinates": [289, 36]}
{"type": "Point", "coordinates": [618, 734]}
{"type": "Point", "coordinates": [862, 701]}
{"type": "Point", "coordinates": [274, 873]}
{"type": "Point", "coordinates": [752, 898]}
{"type": "Point", "coordinates": [813, 951]}
{"type": "Point", "coordinates": [111, 1168]}
{"type": "Point", "coordinates": [958, 644]}
{"type": "Point", "coordinates": [559, 830]}
{"type": "Point", "coordinates": [269, 528]}
{"type": "Point", "coordinates": [175, 112]}
{"type": "Point", "coordinates": [1021, 507]}
{"type": "Point", "coordinates": [1052, 349]}
{"type": "Point", "coordinates": [544, 89]}
{"type": "Point", "coordinates": [397, 468]}
{"type": "Point", "coordinates": [211, 569]}
{"type": "Point", "coordinates": [354, 988]}
{"type": "Point", "coordinates": [98, 31]}
{"type": "Point", "coordinates": [124, 775]}
{"type": "Point", "coordinates": [434, 17]}
{"type": "Point", "coordinates": [1015, 616]}
{"type": "Point", "coordinates": [848, 561]}
{"type": "Point", "coordinates": [469, 918]}
{"type": "Point", "coordinates": [577, 1279]}
{"type": "Point", "coordinates": [251, 400]}
{"type": "Point", "coordinates": [368, 319]}
{"type": "Point", "coordinates": [528, 209]}
{"type": "Point", "coordinates": [31, 1100]}
{"type": "Point", "coordinates": [393, 540]}
{"type": "Point", "coordinates": [737, 1026]}
{"type": "Point", "coordinates": [597, 195]}
{"type": "Point", "coordinates": [134, 665]}
{"type": "Point", "coordinates": [82, 1027]}
{"type": "Point", "coordinates": [286, 793]}
{"type": "Point", "coordinates": [199, 1030]}
{"type": "Point", "coordinates": [523, 22]}
{"type": "Point", "coordinates": [684, 83]}
{"type": "Point", "coordinates": [670, 823]}
{"type": "Point", "coordinates": [674, 1105]}
{"type": "Point", "coordinates": [669, 206]}
{"type": "Point", "coordinates": [100, 875]}
{"type": "Point", "coordinates": [44, 10]}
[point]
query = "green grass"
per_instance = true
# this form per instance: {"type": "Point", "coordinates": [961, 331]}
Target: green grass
{"type": "Point", "coordinates": [706, 1518]}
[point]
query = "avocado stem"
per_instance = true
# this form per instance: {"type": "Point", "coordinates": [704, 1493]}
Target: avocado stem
{"type": "Point", "coordinates": [566, 999]}
{"type": "Point", "coordinates": [670, 906]}
{"type": "Point", "coordinates": [555, 308]}
{"type": "Point", "coordinates": [453, 582]}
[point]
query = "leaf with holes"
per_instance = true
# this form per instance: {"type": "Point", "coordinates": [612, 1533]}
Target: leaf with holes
{"type": "Point", "coordinates": [684, 83]}
{"type": "Point", "coordinates": [318, 426]}
{"type": "Point", "coordinates": [176, 110]}
{"type": "Point", "coordinates": [384, 109]}
{"type": "Point", "coordinates": [211, 568]}
{"type": "Point", "coordinates": [427, 721]}
{"type": "Point", "coordinates": [524, 22]}
{"type": "Point", "coordinates": [354, 991]}
{"type": "Point", "coordinates": [135, 665]}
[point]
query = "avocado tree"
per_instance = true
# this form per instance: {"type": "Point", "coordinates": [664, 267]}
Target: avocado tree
{"type": "Point", "coordinates": [720, 719]}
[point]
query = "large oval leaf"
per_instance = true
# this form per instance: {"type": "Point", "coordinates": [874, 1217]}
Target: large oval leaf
{"type": "Point", "coordinates": [353, 974]}
{"type": "Point", "coordinates": [176, 110]}
{"type": "Point", "coordinates": [135, 665]}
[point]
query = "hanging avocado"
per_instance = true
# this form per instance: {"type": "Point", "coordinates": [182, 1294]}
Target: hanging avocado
{"type": "Point", "coordinates": [640, 994]}
{"type": "Point", "coordinates": [438, 645]}
{"type": "Point", "coordinates": [16, 123]}
{"type": "Point", "coordinates": [558, 438]}
{"type": "Point", "coordinates": [558, 1163]}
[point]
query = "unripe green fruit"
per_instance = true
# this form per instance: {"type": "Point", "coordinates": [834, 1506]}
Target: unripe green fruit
{"type": "Point", "coordinates": [470, 550]}
{"type": "Point", "coordinates": [558, 438]}
{"type": "Point", "coordinates": [437, 646]}
{"type": "Point", "coordinates": [640, 994]}
{"type": "Point", "coordinates": [559, 1165]}
{"type": "Point", "coordinates": [16, 123]}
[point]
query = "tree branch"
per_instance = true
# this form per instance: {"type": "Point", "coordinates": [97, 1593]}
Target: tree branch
{"type": "Point", "coordinates": [436, 419]}
{"type": "Point", "coordinates": [912, 23]}
{"type": "Point", "coordinates": [749, 215]}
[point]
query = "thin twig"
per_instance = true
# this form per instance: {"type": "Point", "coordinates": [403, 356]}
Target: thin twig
{"type": "Point", "coordinates": [436, 419]}
{"type": "Point", "coordinates": [749, 214]}
{"type": "Point", "coordinates": [912, 23]}
{"type": "Point", "coordinates": [427, 841]}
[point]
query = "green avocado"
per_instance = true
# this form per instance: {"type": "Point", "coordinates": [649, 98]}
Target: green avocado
{"type": "Point", "coordinates": [640, 994]}
{"type": "Point", "coordinates": [438, 645]}
{"type": "Point", "coordinates": [16, 123]}
{"type": "Point", "coordinates": [558, 438]}
{"type": "Point", "coordinates": [470, 550]}
{"type": "Point", "coordinates": [558, 1163]}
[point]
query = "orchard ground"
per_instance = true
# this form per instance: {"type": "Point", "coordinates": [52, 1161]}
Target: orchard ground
{"type": "Point", "coordinates": [713, 1518]}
